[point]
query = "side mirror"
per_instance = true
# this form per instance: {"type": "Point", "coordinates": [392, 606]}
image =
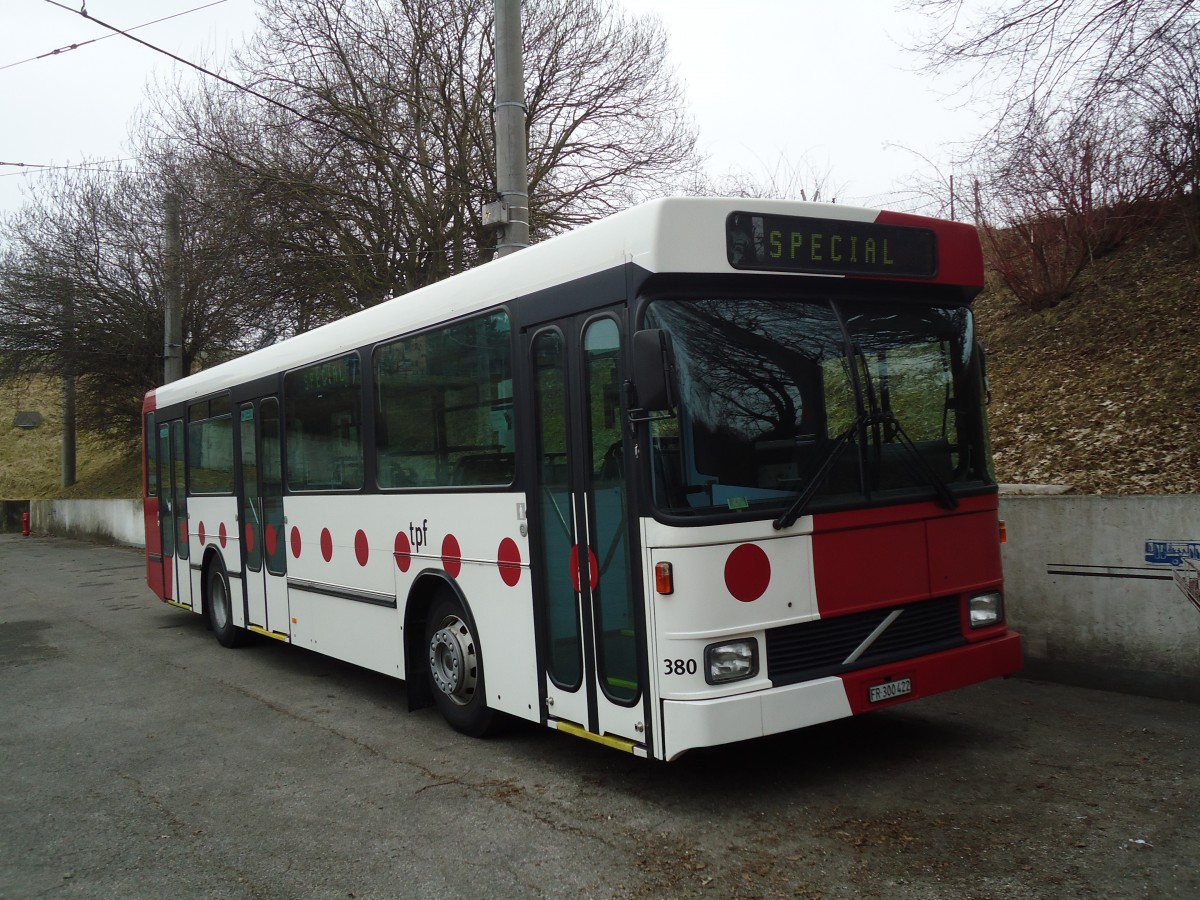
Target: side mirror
{"type": "Point", "coordinates": [653, 370]}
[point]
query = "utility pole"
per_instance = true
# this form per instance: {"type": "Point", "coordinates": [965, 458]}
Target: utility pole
{"type": "Point", "coordinates": [67, 469]}
{"type": "Point", "coordinates": [512, 168]}
{"type": "Point", "coordinates": [172, 293]}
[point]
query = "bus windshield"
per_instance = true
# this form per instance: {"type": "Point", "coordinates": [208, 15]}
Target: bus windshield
{"type": "Point", "coordinates": [838, 402]}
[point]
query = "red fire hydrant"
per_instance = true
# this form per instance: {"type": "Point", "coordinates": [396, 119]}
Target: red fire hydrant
{"type": "Point", "coordinates": [24, 524]}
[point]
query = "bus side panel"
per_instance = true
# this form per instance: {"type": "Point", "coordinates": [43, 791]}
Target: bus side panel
{"type": "Point", "coordinates": [477, 540]}
{"type": "Point", "coordinates": [353, 561]}
{"type": "Point", "coordinates": [212, 525]}
{"type": "Point", "coordinates": [341, 591]}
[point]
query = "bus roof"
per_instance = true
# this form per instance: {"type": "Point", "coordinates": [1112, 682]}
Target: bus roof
{"type": "Point", "coordinates": [681, 234]}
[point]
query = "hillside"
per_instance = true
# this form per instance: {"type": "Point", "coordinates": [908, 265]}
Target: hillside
{"type": "Point", "coordinates": [1101, 393]}
{"type": "Point", "coordinates": [30, 457]}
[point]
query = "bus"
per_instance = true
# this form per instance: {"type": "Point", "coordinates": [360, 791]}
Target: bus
{"type": "Point", "coordinates": [702, 471]}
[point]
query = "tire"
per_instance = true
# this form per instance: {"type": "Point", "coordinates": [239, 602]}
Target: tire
{"type": "Point", "coordinates": [218, 606]}
{"type": "Point", "coordinates": [455, 670]}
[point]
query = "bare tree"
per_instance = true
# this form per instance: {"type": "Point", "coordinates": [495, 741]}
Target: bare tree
{"type": "Point", "coordinates": [81, 288]}
{"type": "Point", "coordinates": [367, 176]}
{"type": "Point", "coordinates": [361, 176]}
{"type": "Point", "coordinates": [1065, 192]}
{"type": "Point", "coordinates": [1096, 123]}
{"type": "Point", "coordinates": [786, 179]}
{"type": "Point", "coordinates": [1166, 98]}
{"type": "Point", "coordinates": [1037, 55]}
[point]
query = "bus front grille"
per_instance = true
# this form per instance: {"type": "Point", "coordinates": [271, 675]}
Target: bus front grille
{"type": "Point", "coordinates": [820, 649]}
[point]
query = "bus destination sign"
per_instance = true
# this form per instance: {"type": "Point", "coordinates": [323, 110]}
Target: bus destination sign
{"type": "Point", "coordinates": [829, 246]}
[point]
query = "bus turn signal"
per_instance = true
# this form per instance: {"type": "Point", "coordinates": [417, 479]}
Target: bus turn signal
{"type": "Point", "coordinates": [664, 580]}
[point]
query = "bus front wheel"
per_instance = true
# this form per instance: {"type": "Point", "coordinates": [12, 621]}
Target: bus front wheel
{"type": "Point", "coordinates": [455, 670]}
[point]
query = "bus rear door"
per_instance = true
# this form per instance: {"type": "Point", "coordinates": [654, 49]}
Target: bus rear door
{"type": "Point", "coordinates": [260, 512]}
{"type": "Point", "coordinates": [172, 513]}
{"type": "Point", "coordinates": [591, 629]}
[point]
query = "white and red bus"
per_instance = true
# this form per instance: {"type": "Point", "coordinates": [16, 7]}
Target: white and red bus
{"type": "Point", "coordinates": [702, 471]}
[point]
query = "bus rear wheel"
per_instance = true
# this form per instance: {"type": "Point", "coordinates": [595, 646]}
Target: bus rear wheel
{"type": "Point", "coordinates": [219, 607]}
{"type": "Point", "coordinates": [455, 670]}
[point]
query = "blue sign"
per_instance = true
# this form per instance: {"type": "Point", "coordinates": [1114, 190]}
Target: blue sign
{"type": "Point", "coordinates": [1171, 553]}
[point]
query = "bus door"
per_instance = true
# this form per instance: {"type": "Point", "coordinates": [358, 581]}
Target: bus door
{"type": "Point", "coordinates": [172, 513]}
{"type": "Point", "coordinates": [260, 512]}
{"type": "Point", "coordinates": [590, 625]}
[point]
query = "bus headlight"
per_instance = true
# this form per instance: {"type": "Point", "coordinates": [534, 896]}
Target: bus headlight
{"type": "Point", "coordinates": [730, 661]}
{"type": "Point", "coordinates": [986, 609]}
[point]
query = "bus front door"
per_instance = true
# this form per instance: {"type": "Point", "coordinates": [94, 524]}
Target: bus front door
{"type": "Point", "coordinates": [172, 514]}
{"type": "Point", "coordinates": [591, 628]}
{"type": "Point", "coordinates": [260, 512]}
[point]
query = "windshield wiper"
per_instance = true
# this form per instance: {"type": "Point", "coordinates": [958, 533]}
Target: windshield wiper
{"type": "Point", "coordinates": [872, 415]}
{"type": "Point", "coordinates": [945, 496]}
{"type": "Point", "coordinates": [798, 505]}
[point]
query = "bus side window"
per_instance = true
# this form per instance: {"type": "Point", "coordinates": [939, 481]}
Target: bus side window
{"type": "Point", "coordinates": [444, 413]}
{"type": "Point", "coordinates": [151, 442]}
{"type": "Point", "coordinates": [323, 420]}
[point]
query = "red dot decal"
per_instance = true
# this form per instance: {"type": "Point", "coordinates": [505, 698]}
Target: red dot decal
{"type": "Point", "coordinates": [747, 572]}
{"type": "Point", "coordinates": [249, 538]}
{"type": "Point", "coordinates": [509, 558]}
{"type": "Point", "coordinates": [295, 542]}
{"type": "Point", "coordinates": [593, 569]}
{"type": "Point", "coordinates": [222, 535]}
{"type": "Point", "coordinates": [271, 539]}
{"type": "Point", "coordinates": [451, 556]}
{"type": "Point", "coordinates": [403, 552]}
{"type": "Point", "coordinates": [201, 535]}
{"type": "Point", "coordinates": [362, 549]}
{"type": "Point", "coordinates": [326, 544]}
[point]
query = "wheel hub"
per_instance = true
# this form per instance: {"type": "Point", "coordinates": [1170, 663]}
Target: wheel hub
{"type": "Point", "coordinates": [452, 661]}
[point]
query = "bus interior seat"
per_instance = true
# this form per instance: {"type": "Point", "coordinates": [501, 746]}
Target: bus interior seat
{"type": "Point", "coordinates": [483, 468]}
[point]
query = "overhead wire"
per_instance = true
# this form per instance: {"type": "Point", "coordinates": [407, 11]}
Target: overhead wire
{"type": "Point", "coordinates": [60, 50]}
{"type": "Point", "coordinates": [337, 129]}
{"type": "Point", "coordinates": [29, 168]}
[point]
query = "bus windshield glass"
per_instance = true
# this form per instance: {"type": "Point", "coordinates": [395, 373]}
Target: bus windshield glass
{"type": "Point", "coordinates": [838, 402]}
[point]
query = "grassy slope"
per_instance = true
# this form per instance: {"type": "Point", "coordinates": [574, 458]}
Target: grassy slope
{"type": "Point", "coordinates": [1101, 393]}
{"type": "Point", "coordinates": [30, 459]}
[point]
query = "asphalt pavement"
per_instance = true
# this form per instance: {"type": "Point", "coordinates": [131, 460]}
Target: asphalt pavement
{"type": "Point", "coordinates": [139, 758]}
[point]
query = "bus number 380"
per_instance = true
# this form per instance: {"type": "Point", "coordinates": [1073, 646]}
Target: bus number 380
{"type": "Point", "coordinates": [679, 667]}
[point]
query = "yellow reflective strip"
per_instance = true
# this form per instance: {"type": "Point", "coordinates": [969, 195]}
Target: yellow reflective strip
{"type": "Point", "coordinates": [605, 739]}
{"type": "Point", "coordinates": [177, 603]}
{"type": "Point", "coordinates": [271, 634]}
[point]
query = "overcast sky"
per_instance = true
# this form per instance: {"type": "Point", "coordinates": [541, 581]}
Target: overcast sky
{"type": "Point", "coordinates": [824, 87]}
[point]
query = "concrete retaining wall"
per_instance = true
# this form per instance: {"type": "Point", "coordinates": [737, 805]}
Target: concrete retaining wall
{"type": "Point", "coordinates": [111, 521]}
{"type": "Point", "coordinates": [1089, 582]}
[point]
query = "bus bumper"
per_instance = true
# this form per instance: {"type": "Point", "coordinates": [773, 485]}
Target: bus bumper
{"type": "Point", "coordinates": [690, 724]}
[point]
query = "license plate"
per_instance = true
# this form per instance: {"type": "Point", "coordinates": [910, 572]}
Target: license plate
{"type": "Point", "coordinates": [889, 690]}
